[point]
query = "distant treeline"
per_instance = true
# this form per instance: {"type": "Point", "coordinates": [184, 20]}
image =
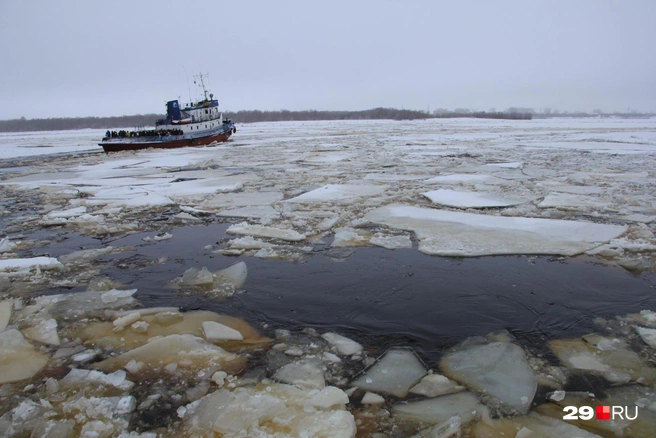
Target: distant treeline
{"type": "Point", "coordinates": [148, 120]}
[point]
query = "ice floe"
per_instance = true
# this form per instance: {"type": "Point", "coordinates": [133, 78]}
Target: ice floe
{"type": "Point", "coordinates": [395, 373]}
{"type": "Point", "coordinates": [499, 369]}
{"type": "Point", "coordinates": [465, 234]}
{"type": "Point", "coordinates": [461, 199]}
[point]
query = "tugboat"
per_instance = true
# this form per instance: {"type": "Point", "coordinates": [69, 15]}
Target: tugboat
{"type": "Point", "coordinates": [198, 124]}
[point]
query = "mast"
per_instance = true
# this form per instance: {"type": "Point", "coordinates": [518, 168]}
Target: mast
{"type": "Point", "coordinates": [201, 77]}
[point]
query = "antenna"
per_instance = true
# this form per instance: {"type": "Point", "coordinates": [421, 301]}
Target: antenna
{"type": "Point", "coordinates": [188, 87]}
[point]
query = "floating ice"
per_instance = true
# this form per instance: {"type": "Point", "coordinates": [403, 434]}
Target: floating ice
{"type": "Point", "coordinates": [350, 237]}
{"type": "Point", "coordinates": [44, 331]}
{"type": "Point", "coordinates": [189, 352]}
{"type": "Point", "coordinates": [461, 199]}
{"type": "Point", "coordinates": [77, 377]}
{"type": "Point", "coordinates": [395, 373]}
{"type": "Point", "coordinates": [235, 274]}
{"type": "Point", "coordinates": [435, 384]}
{"type": "Point", "coordinates": [498, 368]}
{"type": "Point", "coordinates": [213, 331]}
{"type": "Point", "coordinates": [343, 344]}
{"type": "Point", "coordinates": [262, 231]}
{"type": "Point", "coordinates": [18, 358]}
{"type": "Point", "coordinates": [196, 277]}
{"type": "Point", "coordinates": [461, 178]}
{"type": "Point", "coordinates": [465, 234]}
{"type": "Point", "coordinates": [391, 242]}
{"type": "Point", "coordinates": [339, 193]}
{"type": "Point", "coordinates": [71, 212]}
{"type": "Point", "coordinates": [439, 409]}
{"type": "Point", "coordinates": [371, 398]}
{"type": "Point", "coordinates": [6, 245]}
{"type": "Point", "coordinates": [44, 263]}
{"type": "Point", "coordinates": [85, 255]}
{"type": "Point", "coordinates": [5, 313]}
{"type": "Point", "coordinates": [89, 303]}
{"type": "Point", "coordinates": [230, 200]}
{"type": "Point", "coordinates": [601, 356]}
{"type": "Point", "coordinates": [306, 373]}
{"type": "Point", "coordinates": [648, 335]}
{"type": "Point", "coordinates": [566, 201]}
{"type": "Point", "coordinates": [328, 397]}
{"type": "Point", "coordinates": [126, 320]}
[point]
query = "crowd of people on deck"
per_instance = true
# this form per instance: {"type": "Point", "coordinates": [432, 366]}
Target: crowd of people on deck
{"type": "Point", "coordinates": [150, 133]}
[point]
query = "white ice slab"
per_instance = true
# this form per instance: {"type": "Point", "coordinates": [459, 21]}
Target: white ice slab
{"type": "Point", "coordinates": [457, 178]}
{"type": "Point", "coordinates": [339, 192]}
{"type": "Point", "coordinates": [465, 234]}
{"type": "Point", "coordinates": [568, 201]}
{"type": "Point", "coordinates": [245, 229]}
{"type": "Point", "coordinates": [499, 369]}
{"type": "Point", "coordinates": [40, 262]}
{"type": "Point", "coordinates": [395, 373]}
{"type": "Point", "coordinates": [463, 199]}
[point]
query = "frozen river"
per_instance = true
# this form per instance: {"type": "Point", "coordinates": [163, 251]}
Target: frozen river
{"type": "Point", "coordinates": [327, 278]}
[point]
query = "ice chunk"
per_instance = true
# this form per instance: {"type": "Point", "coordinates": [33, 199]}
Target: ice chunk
{"type": "Point", "coordinates": [329, 397]}
{"type": "Point", "coordinates": [498, 368]}
{"type": "Point", "coordinates": [190, 352]}
{"type": "Point", "coordinates": [461, 178]}
{"type": "Point", "coordinates": [127, 319]}
{"type": "Point", "coordinates": [246, 409]}
{"type": "Point", "coordinates": [227, 200]}
{"type": "Point", "coordinates": [343, 344]}
{"type": "Point", "coordinates": [43, 263]}
{"type": "Point", "coordinates": [5, 313]}
{"type": "Point", "coordinates": [446, 429]}
{"type": "Point", "coordinates": [85, 255]}
{"type": "Point", "coordinates": [339, 193]}
{"type": "Point", "coordinates": [245, 229]}
{"type": "Point", "coordinates": [439, 409]}
{"type": "Point", "coordinates": [235, 274]}
{"type": "Point", "coordinates": [195, 277]}
{"type": "Point", "coordinates": [372, 399]}
{"type": "Point", "coordinates": [6, 245]}
{"type": "Point", "coordinates": [71, 212]}
{"type": "Point", "coordinates": [350, 237]}
{"type": "Point", "coordinates": [44, 331]}
{"type": "Point", "coordinates": [462, 199]}
{"type": "Point", "coordinates": [466, 234]}
{"type": "Point", "coordinates": [18, 358]}
{"type": "Point", "coordinates": [613, 361]}
{"type": "Point", "coordinates": [307, 373]}
{"type": "Point", "coordinates": [77, 377]}
{"type": "Point", "coordinates": [435, 384]}
{"type": "Point", "coordinates": [89, 303]}
{"type": "Point", "coordinates": [54, 429]}
{"type": "Point", "coordinates": [648, 335]}
{"type": "Point", "coordinates": [213, 331]}
{"type": "Point", "coordinates": [391, 242]}
{"type": "Point", "coordinates": [397, 371]}
{"type": "Point", "coordinates": [566, 201]}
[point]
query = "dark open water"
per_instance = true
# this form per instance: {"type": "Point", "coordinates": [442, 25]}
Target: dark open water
{"type": "Point", "coordinates": [387, 297]}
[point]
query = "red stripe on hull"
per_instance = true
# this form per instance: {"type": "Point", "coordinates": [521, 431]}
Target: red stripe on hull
{"type": "Point", "coordinates": [203, 141]}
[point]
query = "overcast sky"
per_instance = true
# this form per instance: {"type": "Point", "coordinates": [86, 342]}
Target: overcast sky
{"type": "Point", "coordinates": [102, 58]}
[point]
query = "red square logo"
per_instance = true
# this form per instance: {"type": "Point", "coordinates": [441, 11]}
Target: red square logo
{"type": "Point", "coordinates": [603, 412]}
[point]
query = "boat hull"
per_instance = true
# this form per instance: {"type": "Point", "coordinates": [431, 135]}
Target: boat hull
{"type": "Point", "coordinates": [125, 144]}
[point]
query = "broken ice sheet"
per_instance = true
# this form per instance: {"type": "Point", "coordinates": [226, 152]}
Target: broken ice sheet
{"type": "Point", "coordinates": [604, 357]}
{"type": "Point", "coordinates": [339, 193]}
{"type": "Point", "coordinates": [167, 323]}
{"type": "Point", "coordinates": [267, 411]}
{"type": "Point", "coordinates": [466, 234]}
{"type": "Point", "coordinates": [43, 263]}
{"type": "Point", "coordinates": [18, 358]}
{"type": "Point", "coordinates": [439, 409]}
{"type": "Point", "coordinates": [463, 199]}
{"type": "Point", "coordinates": [306, 373]}
{"type": "Point", "coordinates": [345, 237]}
{"type": "Point", "coordinates": [222, 283]}
{"type": "Point", "coordinates": [86, 304]}
{"type": "Point", "coordinates": [191, 355]}
{"type": "Point", "coordinates": [499, 369]}
{"type": "Point", "coordinates": [395, 373]}
{"type": "Point", "coordinates": [245, 229]}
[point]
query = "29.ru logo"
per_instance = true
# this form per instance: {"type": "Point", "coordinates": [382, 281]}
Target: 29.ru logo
{"type": "Point", "coordinates": [602, 413]}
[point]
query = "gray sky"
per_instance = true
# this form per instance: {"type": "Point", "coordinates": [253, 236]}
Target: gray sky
{"type": "Point", "coordinates": [101, 58]}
